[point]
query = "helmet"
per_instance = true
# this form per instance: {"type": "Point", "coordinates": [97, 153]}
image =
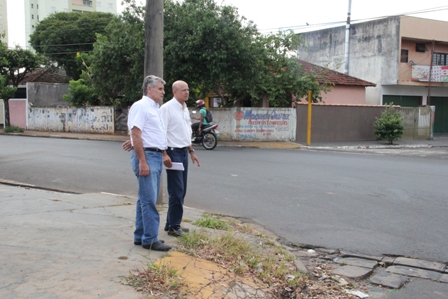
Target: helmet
{"type": "Point", "coordinates": [200, 103]}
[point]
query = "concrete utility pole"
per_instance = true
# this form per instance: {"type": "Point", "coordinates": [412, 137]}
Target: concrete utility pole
{"type": "Point", "coordinates": [154, 50]}
{"type": "Point", "coordinates": [347, 37]}
{"type": "Point", "coordinates": [154, 38]}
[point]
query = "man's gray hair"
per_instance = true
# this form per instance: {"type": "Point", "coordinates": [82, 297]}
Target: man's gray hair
{"type": "Point", "coordinates": [151, 81]}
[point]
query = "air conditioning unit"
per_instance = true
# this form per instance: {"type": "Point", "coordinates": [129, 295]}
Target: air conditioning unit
{"type": "Point", "coordinates": [420, 47]}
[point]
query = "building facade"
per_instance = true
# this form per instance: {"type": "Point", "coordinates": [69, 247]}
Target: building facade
{"type": "Point", "coordinates": [37, 10]}
{"type": "Point", "coordinates": [3, 22]}
{"type": "Point", "coordinates": [406, 57]}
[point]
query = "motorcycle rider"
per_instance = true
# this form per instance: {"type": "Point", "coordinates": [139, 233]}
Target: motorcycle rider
{"type": "Point", "coordinates": [197, 126]}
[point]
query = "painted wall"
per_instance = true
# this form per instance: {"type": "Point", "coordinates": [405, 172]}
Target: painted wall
{"type": "Point", "coordinates": [17, 112]}
{"type": "Point", "coordinates": [332, 123]}
{"type": "Point", "coordinates": [2, 114]}
{"type": "Point", "coordinates": [71, 119]}
{"type": "Point", "coordinates": [255, 124]}
{"type": "Point", "coordinates": [345, 95]}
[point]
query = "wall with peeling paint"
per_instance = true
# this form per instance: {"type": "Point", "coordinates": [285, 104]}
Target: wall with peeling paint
{"type": "Point", "coordinates": [255, 124]}
{"type": "Point", "coordinates": [72, 119]}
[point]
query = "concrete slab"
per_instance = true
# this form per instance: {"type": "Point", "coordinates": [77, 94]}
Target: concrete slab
{"type": "Point", "coordinates": [444, 278]}
{"type": "Point", "coordinates": [352, 272]}
{"type": "Point", "coordinates": [59, 245]}
{"type": "Point", "coordinates": [422, 264]}
{"type": "Point", "coordinates": [361, 256]}
{"type": "Point", "coordinates": [390, 280]}
{"type": "Point", "coordinates": [352, 261]}
{"type": "Point", "coordinates": [414, 272]}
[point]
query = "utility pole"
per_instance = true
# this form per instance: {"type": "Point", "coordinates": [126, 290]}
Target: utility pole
{"type": "Point", "coordinates": [428, 100]}
{"type": "Point", "coordinates": [154, 38]}
{"type": "Point", "coordinates": [347, 38]}
{"type": "Point", "coordinates": [154, 50]}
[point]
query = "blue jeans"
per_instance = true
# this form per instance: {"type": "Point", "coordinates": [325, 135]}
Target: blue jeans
{"type": "Point", "coordinates": [147, 217]}
{"type": "Point", "coordinates": [177, 188]}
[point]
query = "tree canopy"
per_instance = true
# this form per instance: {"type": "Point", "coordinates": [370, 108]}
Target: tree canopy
{"type": "Point", "coordinates": [61, 35]}
{"type": "Point", "coordinates": [14, 65]}
{"type": "Point", "coordinates": [209, 46]}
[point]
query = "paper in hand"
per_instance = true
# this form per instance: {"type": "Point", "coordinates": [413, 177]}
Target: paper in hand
{"type": "Point", "coordinates": [176, 166]}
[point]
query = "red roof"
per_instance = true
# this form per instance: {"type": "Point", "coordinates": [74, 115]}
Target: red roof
{"type": "Point", "coordinates": [325, 75]}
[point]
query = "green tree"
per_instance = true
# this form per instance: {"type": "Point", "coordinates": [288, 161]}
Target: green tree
{"type": "Point", "coordinates": [61, 35]}
{"type": "Point", "coordinates": [209, 46]}
{"type": "Point", "coordinates": [15, 64]}
{"type": "Point", "coordinates": [389, 126]}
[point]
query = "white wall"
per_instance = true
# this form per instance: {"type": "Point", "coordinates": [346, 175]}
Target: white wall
{"type": "Point", "coordinates": [256, 124]}
{"type": "Point", "coordinates": [72, 119]}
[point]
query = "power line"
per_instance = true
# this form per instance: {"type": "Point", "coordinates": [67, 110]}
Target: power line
{"type": "Point", "coordinates": [343, 22]}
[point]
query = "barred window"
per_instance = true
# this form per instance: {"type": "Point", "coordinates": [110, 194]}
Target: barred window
{"type": "Point", "coordinates": [439, 59]}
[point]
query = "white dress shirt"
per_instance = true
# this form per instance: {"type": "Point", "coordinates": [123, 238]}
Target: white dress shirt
{"type": "Point", "coordinates": [177, 121]}
{"type": "Point", "coordinates": [145, 115]}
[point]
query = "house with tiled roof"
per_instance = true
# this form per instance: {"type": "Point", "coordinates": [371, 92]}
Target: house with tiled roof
{"type": "Point", "coordinates": [345, 89]}
{"type": "Point", "coordinates": [406, 57]}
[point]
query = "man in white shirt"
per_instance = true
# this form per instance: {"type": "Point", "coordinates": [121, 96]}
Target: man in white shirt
{"type": "Point", "coordinates": [177, 121]}
{"type": "Point", "coordinates": [148, 137]}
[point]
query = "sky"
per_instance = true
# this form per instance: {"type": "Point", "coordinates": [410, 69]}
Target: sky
{"type": "Point", "coordinates": [271, 16]}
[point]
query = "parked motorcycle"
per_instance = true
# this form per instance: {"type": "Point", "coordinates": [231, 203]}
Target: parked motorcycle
{"type": "Point", "coordinates": [208, 137]}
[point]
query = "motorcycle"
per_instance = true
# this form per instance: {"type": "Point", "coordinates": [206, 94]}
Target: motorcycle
{"type": "Point", "coordinates": [208, 137]}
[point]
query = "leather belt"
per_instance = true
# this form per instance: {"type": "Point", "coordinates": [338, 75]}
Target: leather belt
{"type": "Point", "coordinates": [177, 148]}
{"type": "Point", "coordinates": [152, 149]}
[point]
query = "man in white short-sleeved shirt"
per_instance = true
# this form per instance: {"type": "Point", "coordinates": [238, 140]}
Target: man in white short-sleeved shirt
{"type": "Point", "coordinates": [148, 137]}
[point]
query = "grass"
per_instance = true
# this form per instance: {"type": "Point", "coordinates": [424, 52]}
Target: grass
{"type": "Point", "coordinates": [241, 250]}
{"type": "Point", "coordinates": [157, 280]}
{"type": "Point", "coordinates": [13, 129]}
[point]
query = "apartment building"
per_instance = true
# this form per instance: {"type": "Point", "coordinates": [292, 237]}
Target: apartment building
{"type": "Point", "coordinates": [36, 10]}
{"type": "Point", "coordinates": [3, 22]}
{"type": "Point", "coordinates": [406, 57]}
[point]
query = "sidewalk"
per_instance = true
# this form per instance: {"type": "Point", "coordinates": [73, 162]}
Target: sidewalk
{"type": "Point", "coordinates": [439, 140]}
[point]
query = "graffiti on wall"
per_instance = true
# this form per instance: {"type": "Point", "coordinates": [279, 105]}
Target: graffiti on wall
{"type": "Point", "coordinates": [262, 124]}
{"type": "Point", "coordinates": [71, 119]}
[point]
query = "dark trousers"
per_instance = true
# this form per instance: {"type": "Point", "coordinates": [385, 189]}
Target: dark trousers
{"type": "Point", "coordinates": [177, 188]}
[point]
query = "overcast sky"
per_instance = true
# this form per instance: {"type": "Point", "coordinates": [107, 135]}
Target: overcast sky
{"type": "Point", "coordinates": [282, 14]}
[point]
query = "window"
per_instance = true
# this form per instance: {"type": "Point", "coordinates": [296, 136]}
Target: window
{"type": "Point", "coordinates": [32, 5]}
{"type": "Point", "coordinates": [53, 9]}
{"type": "Point", "coordinates": [110, 6]}
{"type": "Point", "coordinates": [87, 3]}
{"type": "Point", "coordinates": [404, 56]}
{"type": "Point", "coordinates": [98, 4]}
{"type": "Point", "coordinates": [37, 17]}
{"type": "Point", "coordinates": [32, 17]}
{"type": "Point", "coordinates": [439, 59]}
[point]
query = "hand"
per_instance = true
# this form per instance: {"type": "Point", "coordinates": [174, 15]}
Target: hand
{"type": "Point", "coordinates": [167, 161]}
{"type": "Point", "coordinates": [195, 159]}
{"type": "Point", "coordinates": [127, 145]}
{"type": "Point", "coordinates": [143, 169]}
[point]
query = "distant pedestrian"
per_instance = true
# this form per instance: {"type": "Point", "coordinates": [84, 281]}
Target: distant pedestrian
{"type": "Point", "coordinates": [177, 121]}
{"type": "Point", "coordinates": [148, 138]}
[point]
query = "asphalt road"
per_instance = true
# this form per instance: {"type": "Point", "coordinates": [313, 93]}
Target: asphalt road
{"type": "Point", "coordinates": [371, 203]}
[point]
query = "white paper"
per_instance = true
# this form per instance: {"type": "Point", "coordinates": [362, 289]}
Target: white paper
{"type": "Point", "coordinates": [176, 166]}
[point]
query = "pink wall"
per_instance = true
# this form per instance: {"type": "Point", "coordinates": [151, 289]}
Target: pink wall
{"type": "Point", "coordinates": [345, 95]}
{"type": "Point", "coordinates": [17, 112]}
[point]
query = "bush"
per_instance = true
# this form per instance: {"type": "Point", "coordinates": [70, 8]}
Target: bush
{"type": "Point", "coordinates": [13, 129]}
{"type": "Point", "coordinates": [389, 126]}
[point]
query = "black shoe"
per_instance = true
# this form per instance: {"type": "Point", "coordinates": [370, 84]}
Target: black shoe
{"type": "Point", "coordinates": [182, 228]}
{"type": "Point", "coordinates": [176, 232]}
{"type": "Point", "coordinates": [157, 246]}
{"type": "Point", "coordinates": [140, 242]}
